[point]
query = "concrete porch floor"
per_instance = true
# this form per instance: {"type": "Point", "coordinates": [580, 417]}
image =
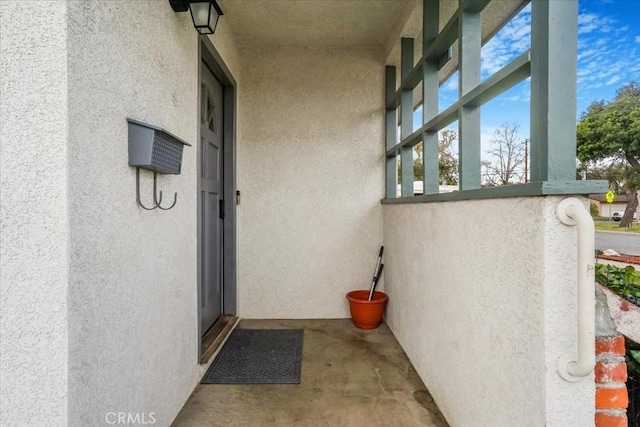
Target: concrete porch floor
{"type": "Point", "coordinates": [350, 377]}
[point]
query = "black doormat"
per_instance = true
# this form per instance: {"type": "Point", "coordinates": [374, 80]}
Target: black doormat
{"type": "Point", "coordinates": [258, 356]}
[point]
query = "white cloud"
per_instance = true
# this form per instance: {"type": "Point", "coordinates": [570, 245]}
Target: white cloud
{"type": "Point", "coordinates": [587, 53]}
{"type": "Point", "coordinates": [586, 23]}
{"type": "Point", "coordinates": [607, 55]}
{"type": "Point", "coordinates": [511, 41]}
{"type": "Point", "coordinates": [452, 83]}
{"type": "Point", "coordinates": [613, 80]}
{"type": "Point", "coordinates": [590, 22]}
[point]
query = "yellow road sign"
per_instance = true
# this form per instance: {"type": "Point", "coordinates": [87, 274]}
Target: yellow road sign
{"type": "Point", "coordinates": [610, 196]}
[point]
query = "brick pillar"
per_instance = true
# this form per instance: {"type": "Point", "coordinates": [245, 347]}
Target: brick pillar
{"type": "Point", "coordinates": [610, 370]}
{"type": "Point", "coordinates": [611, 374]}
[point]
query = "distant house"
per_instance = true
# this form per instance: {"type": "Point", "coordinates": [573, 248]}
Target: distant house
{"type": "Point", "coordinates": [418, 188]}
{"type": "Point", "coordinates": [619, 204]}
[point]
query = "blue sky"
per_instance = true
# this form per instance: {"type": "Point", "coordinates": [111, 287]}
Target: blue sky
{"type": "Point", "coordinates": [608, 57]}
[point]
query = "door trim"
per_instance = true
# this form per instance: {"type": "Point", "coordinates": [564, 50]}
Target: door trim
{"type": "Point", "coordinates": [208, 53]}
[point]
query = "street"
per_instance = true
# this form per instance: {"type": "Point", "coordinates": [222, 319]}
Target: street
{"type": "Point", "coordinates": [624, 243]}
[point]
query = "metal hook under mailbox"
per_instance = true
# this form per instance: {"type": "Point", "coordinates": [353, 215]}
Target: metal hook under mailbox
{"type": "Point", "coordinates": [157, 199]}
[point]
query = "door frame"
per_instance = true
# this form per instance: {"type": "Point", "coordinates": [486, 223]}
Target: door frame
{"type": "Point", "coordinates": [213, 60]}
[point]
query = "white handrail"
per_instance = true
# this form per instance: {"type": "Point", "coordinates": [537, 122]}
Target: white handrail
{"type": "Point", "coordinates": [573, 367]}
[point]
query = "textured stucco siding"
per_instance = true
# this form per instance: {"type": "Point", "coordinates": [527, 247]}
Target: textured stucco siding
{"type": "Point", "coordinates": [34, 260]}
{"type": "Point", "coordinates": [567, 404]}
{"type": "Point", "coordinates": [133, 287]}
{"type": "Point", "coordinates": [224, 42]}
{"type": "Point", "coordinates": [311, 172]}
{"type": "Point", "coordinates": [484, 308]}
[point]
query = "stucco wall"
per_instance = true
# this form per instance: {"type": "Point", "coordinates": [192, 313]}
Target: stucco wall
{"type": "Point", "coordinates": [133, 288]}
{"type": "Point", "coordinates": [484, 307]}
{"type": "Point", "coordinates": [311, 172]}
{"type": "Point", "coordinates": [34, 220]}
{"type": "Point", "coordinates": [225, 43]}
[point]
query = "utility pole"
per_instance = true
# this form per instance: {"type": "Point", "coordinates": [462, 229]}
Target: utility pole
{"type": "Point", "coordinates": [526, 160]}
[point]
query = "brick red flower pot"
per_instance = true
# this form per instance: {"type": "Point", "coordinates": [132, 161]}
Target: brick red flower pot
{"type": "Point", "coordinates": [367, 314]}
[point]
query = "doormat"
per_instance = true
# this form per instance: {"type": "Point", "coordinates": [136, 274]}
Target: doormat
{"type": "Point", "coordinates": [258, 356]}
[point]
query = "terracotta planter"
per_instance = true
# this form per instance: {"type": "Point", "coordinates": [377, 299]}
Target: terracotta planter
{"type": "Point", "coordinates": [367, 314]}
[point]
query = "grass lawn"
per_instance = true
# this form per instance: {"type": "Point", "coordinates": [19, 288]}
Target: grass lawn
{"type": "Point", "coordinates": [613, 226]}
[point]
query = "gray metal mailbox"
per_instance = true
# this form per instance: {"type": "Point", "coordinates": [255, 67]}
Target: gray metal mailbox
{"type": "Point", "coordinates": [153, 148]}
{"type": "Point", "coordinates": [157, 150]}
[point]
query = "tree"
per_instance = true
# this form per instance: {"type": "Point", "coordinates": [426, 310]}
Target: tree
{"type": "Point", "coordinates": [611, 131]}
{"type": "Point", "coordinates": [447, 162]}
{"type": "Point", "coordinates": [613, 171]}
{"type": "Point", "coordinates": [418, 165]}
{"type": "Point", "coordinates": [507, 151]}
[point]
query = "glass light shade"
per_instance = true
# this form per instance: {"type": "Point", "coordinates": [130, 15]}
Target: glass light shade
{"type": "Point", "coordinates": [205, 16]}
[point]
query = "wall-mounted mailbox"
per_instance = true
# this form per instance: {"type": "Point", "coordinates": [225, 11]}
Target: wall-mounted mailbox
{"type": "Point", "coordinates": [154, 148]}
{"type": "Point", "coordinates": [157, 150]}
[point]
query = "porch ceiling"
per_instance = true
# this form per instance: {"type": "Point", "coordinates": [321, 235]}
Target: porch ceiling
{"type": "Point", "coordinates": [348, 23]}
{"type": "Point", "coordinates": [316, 23]}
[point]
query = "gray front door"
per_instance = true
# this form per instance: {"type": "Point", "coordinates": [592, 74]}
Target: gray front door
{"type": "Point", "coordinates": [211, 194]}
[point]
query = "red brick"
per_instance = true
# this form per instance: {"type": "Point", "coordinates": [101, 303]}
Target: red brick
{"type": "Point", "coordinates": [611, 373]}
{"type": "Point", "coordinates": [612, 398]}
{"type": "Point", "coordinates": [607, 420]}
{"type": "Point", "coordinates": [613, 345]}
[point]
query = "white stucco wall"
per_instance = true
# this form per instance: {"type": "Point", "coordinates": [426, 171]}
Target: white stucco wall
{"type": "Point", "coordinates": [133, 286]}
{"type": "Point", "coordinates": [484, 307]}
{"type": "Point", "coordinates": [311, 172]}
{"type": "Point", "coordinates": [132, 294]}
{"type": "Point", "coordinates": [224, 42]}
{"type": "Point", "coordinates": [34, 260]}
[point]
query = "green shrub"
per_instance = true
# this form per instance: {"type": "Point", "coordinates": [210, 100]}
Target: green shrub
{"type": "Point", "coordinates": [633, 361]}
{"type": "Point", "coordinates": [623, 281]}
